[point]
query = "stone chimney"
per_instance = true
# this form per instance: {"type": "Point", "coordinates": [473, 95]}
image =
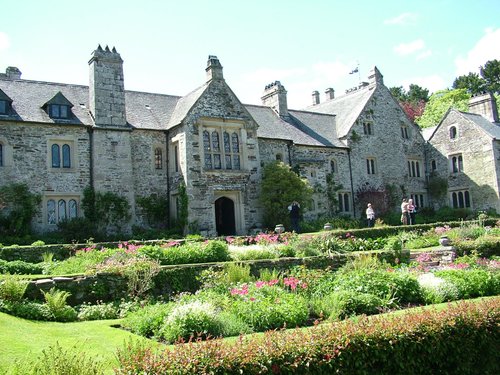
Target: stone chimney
{"type": "Point", "coordinates": [214, 68]}
{"type": "Point", "coordinates": [13, 73]}
{"type": "Point", "coordinates": [275, 97]}
{"type": "Point", "coordinates": [106, 88]}
{"type": "Point", "coordinates": [330, 93]}
{"type": "Point", "coordinates": [315, 97]}
{"type": "Point", "coordinates": [484, 105]}
{"type": "Point", "coordinates": [376, 77]}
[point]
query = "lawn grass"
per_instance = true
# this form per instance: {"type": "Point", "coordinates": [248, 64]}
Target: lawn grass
{"type": "Point", "coordinates": [23, 339]}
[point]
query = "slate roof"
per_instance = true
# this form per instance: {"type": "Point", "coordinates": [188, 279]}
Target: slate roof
{"type": "Point", "coordinates": [347, 108]}
{"type": "Point", "coordinates": [161, 112]}
{"type": "Point", "coordinates": [273, 126]}
{"type": "Point", "coordinates": [491, 128]}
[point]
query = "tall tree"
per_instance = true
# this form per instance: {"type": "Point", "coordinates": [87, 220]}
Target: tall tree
{"type": "Point", "coordinates": [399, 93]}
{"type": "Point", "coordinates": [440, 102]}
{"type": "Point", "coordinates": [491, 74]}
{"type": "Point", "coordinates": [470, 82]}
{"type": "Point", "coordinates": [416, 94]}
{"type": "Point", "coordinates": [412, 102]}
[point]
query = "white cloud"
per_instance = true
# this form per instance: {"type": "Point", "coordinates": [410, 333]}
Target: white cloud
{"type": "Point", "coordinates": [433, 82]}
{"type": "Point", "coordinates": [409, 48]}
{"type": "Point", "coordinates": [4, 41]}
{"type": "Point", "coordinates": [424, 55]}
{"type": "Point", "coordinates": [487, 48]}
{"type": "Point", "coordinates": [402, 19]}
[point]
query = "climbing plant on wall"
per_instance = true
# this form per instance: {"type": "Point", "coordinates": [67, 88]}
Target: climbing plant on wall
{"type": "Point", "coordinates": [18, 206]}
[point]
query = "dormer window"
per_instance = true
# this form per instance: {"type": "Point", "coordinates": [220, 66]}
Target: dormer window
{"type": "Point", "coordinates": [59, 111]}
{"type": "Point", "coordinates": [5, 103]}
{"type": "Point", "coordinates": [58, 107]}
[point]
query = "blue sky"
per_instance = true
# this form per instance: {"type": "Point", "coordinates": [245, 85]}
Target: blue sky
{"type": "Point", "coordinates": [307, 45]}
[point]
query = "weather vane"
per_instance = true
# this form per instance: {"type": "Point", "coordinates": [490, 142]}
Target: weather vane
{"type": "Point", "coordinates": [356, 70]}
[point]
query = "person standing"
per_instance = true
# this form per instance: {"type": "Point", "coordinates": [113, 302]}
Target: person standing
{"type": "Point", "coordinates": [411, 212]}
{"type": "Point", "coordinates": [370, 216]}
{"type": "Point", "coordinates": [294, 209]}
{"type": "Point", "coordinates": [404, 212]}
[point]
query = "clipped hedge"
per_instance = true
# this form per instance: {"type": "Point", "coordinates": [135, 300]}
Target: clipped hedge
{"type": "Point", "coordinates": [19, 267]}
{"type": "Point", "coordinates": [462, 339]}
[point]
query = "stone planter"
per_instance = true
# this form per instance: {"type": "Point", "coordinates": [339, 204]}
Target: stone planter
{"type": "Point", "coordinates": [444, 241]}
{"type": "Point", "coordinates": [280, 228]}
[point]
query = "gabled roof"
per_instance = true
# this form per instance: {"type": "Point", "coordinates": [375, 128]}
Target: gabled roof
{"type": "Point", "coordinates": [490, 128]}
{"type": "Point", "coordinates": [149, 111]}
{"type": "Point", "coordinates": [58, 99]}
{"type": "Point", "coordinates": [347, 108]}
{"type": "Point", "coordinates": [295, 129]}
{"type": "Point", "coordinates": [427, 133]}
{"type": "Point", "coordinates": [4, 96]}
{"type": "Point", "coordinates": [185, 104]}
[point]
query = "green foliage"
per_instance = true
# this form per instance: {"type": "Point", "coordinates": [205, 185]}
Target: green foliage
{"type": "Point", "coordinates": [82, 262]}
{"type": "Point", "coordinates": [194, 319]}
{"type": "Point", "coordinates": [254, 253]}
{"type": "Point", "coordinates": [12, 288]}
{"type": "Point", "coordinates": [490, 72]}
{"type": "Point", "coordinates": [78, 229]}
{"type": "Point", "coordinates": [437, 186]}
{"type": "Point", "coordinates": [98, 312]}
{"type": "Point", "coordinates": [18, 206]}
{"type": "Point", "coordinates": [29, 310]}
{"type": "Point", "coordinates": [155, 209]}
{"type": "Point", "coordinates": [439, 103]}
{"type": "Point", "coordinates": [462, 339]}
{"type": "Point", "coordinates": [470, 82]}
{"type": "Point", "coordinates": [56, 303]}
{"type": "Point", "coordinates": [182, 209]}
{"type": "Point", "coordinates": [148, 320]}
{"type": "Point", "coordinates": [343, 304]}
{"type": "Point", "coordinates": [105, 210]}
{"type": "Point", "coordinates": [279, 187]}
{"type": "Point", "coordinates": [20, 267]}
{"type": "Point", "coordinates": [192, 252]}
{"type": "Point", "coordinates": [58, 361]}
{"type": "Point", "coordinates": [332, 188]}
{"type": "Point", "coordinates": [472, 283]}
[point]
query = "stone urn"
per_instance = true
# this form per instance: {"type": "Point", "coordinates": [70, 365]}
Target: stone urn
{"type": "Point", "coordinates": [444, 241]}
{"type": "Point", "coordinates": [280, 228]}
{"type": "Point", "coordinates": [328, 226]}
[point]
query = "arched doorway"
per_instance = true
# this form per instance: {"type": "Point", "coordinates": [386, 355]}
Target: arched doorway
{"type": "Point", "coordinates": [224, 217]}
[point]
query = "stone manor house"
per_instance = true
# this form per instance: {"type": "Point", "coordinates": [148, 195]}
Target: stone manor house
{"type": "Point", "coordinates": [61, 138]}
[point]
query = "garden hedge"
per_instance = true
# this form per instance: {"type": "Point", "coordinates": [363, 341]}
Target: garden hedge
{"type": "Point", "coordinates": [462, 339]}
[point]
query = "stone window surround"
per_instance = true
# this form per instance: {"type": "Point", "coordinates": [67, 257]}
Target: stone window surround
{"type": "Point", "coordinates": [342, 197]}
{"type": "Point", "coordinates": [56, 197]}
{"type": "Point", "coordinates": [221, 126]}
{"type": "Point", "coordinates": [453, 132]}
{"type": "Point", "coordinates": [59, 111]}
{"type": "Point", "coordinates": [333, 166]}
{"type": "Point", "coordinates": [371, 166]}
{"type": "Point", "coordinates": [456, 162]}
{"type": "Point", "coordinates": [368, 127]}
{"type": "Point", "coordinates": [462, 197]}
{"type": "Point", "coordinates": [418, 199]}
{"type": "Point", "coordinates": [175, 146]}
{"type": "Point", "coordinates": [71, 142]}
{"type": "Point", "coordinates": [158, 165]}
{"type": "Point", "coordinates": [415, 168]}
{"type": "Point", "coordinates": [6, 153]}
{"type": "Point", "coordinates": [405, 131]}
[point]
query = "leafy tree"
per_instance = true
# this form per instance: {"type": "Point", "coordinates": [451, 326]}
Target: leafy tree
{"type": "Point", "coordinates": [470, 82]}
{"type": "Point", "coordinates": [413, 109]}
{"type": "Point", "coordinates": [440, 102]}
{"type": "Point", "coordinates": [279, 187]}
{"type": "Point", "coordinates": [399, 93]}
{"type": "Point", "coordinates": [491, 74]}
{"type": "Point", "coordinates": [416, 94]}
{"type": "Point", "coordinates": [18, 206]}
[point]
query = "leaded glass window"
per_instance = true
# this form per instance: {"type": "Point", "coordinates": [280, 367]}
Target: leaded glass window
{"type": "Point", "coordinates": [56, 157]}
{"type": "Point", "coordinates": [51, 211]}
{"type": "Point", "coordinates": [66, 156]}
{"type": "Point", "coordinates": [61, 209]}
{"type": "Point", "coordinates": [73, 209]}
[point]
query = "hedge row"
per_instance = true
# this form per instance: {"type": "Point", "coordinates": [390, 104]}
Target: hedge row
{"type": "Point", "coordinates": [462, 339]}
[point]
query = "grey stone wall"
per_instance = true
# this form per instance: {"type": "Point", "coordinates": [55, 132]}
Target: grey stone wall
{"type": "Point", "coordinates": [481, 171]}
{"type": "Point", "coordinates": [387, 146]}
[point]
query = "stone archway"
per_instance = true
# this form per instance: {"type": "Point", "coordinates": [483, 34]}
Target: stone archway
{"type": "Point", "coordinates": [224, 217]}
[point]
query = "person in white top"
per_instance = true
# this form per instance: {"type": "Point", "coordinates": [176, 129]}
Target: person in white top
{"type": "Point", "coordinates": [370, 215]}
{"type": "Point", "coordinates": [411, 212]}
{"type": "Point", "coordinates": [404, 212]}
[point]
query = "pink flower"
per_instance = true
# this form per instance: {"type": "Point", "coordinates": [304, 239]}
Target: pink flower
{"type": "Point", "coordinates": [260, 284]}
{"type": "Point", "coordinates": [252, 299]}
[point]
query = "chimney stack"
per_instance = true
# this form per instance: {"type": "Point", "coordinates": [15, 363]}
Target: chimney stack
{"type": "Point", "coordinates": [214, 68]}
{"type": "Point", "coordinates": [13, 73]}
{"type": "Point", "coordinates": [315, 97]}
{"type": "Point", "coordinates": [275, 97]}
{"type": "Point", "coordinates": [484, 105]}
{"type": "Point", "coordinates": [376, 77]}
{"type": "Point", "coordinates": [330, 93]}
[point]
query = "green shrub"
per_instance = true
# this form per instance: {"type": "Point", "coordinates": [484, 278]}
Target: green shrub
{"type": "Point", "coordinates": [270, 307]}
{"type": "Point", "coordinates": [254, 253]}
{"type": "Point", "coordinates": [193, 252]}
{"type": "Point", "coordinates": [29, 310]}
{"type": "Point", "coordinates": [398, 287]}
{"type": "Point", "coordinates": [38, 243]}
{"type": "Point", "coordinates": [343, 304]}
{"type": "Point", "coordinates": [473, 282]}
{"type": "Point", "coordinates": [56, 302]}
{"type": "Point", "coordinates": [58, 361]}
{"type": "Point", "coordinates": [194, 319]}
{"type": "Point", "coordinates": [437, 290]}
{"type": "Point", "coordinates": [12, 288]}
{"type": "Point", "coordinates": [148, 320]}
{"type": "Point", "coordinates": [98, 312]}
{"type": "Point", "coordinates": [81, 262]}
{"type": "Point", "coordinates": [19, 267]}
